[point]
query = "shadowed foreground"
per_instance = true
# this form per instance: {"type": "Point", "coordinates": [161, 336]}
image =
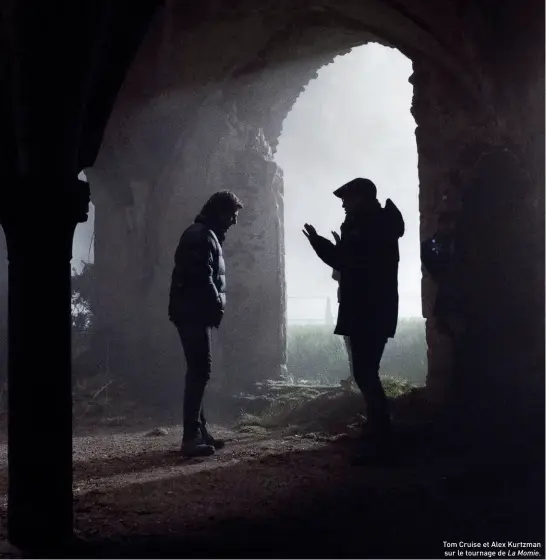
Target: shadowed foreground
{"type": "Point", "coordinates": [284, 497]}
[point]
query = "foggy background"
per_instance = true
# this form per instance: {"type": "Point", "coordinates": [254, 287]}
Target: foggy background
{"type": "Point", "coordinates": [82, 248]}
{"type": "Point", "coordinates": [352, 121]}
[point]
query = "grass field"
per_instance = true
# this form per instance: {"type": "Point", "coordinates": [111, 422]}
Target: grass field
{"type": "Point", "coordinates": [315, 354]}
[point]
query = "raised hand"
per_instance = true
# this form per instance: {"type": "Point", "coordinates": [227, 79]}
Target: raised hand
{"type": "Point", "coordinates": [310, 232]}
{"type": "Point", "coordinates": [336, 237]}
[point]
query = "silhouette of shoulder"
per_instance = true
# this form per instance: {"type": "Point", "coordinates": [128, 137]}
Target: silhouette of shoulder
{"type": "Point", "coordinates": [197, 235]}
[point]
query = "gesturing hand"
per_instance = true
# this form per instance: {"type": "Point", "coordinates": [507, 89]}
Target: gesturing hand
{"type": "Point", "coordinates": [336, 237]}
{"type": "Point", "coordinates": [310, 232]}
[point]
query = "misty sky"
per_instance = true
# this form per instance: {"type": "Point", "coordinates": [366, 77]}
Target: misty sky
{"type": "Point", "coordinates": [352, 121]}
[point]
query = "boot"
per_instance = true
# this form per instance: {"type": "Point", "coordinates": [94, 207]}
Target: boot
{"type": "Point", "coordinates": [196, 447]}
{"type": "Point", "coordinates": [210, 440]}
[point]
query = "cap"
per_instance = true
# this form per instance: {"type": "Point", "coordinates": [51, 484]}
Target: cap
{"type": "Point", "coordinates": [358, 185]}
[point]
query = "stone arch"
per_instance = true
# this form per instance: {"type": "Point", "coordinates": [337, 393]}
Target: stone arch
{"type": "Point", "coordinates": [221, 113]}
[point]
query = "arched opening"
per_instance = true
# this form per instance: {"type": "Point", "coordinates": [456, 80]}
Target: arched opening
{"type": "Point", "coordinates": [445, 124]}
{"type": "Point", "coordinates": [221, 131]}
{"type": "Point", "coordinates": [354, 119]}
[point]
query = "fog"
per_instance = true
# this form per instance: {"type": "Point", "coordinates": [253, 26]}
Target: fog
{"type": "Point", "coordinates": [352, 121]}
{"type": "Point", "coordinates": [82, 248]}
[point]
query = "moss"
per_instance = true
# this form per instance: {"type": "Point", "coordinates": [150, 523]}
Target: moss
{"type": "Point", "coordinates": [300, 408]}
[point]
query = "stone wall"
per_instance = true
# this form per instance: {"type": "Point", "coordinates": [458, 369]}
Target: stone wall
{"type": "Point", "coordinates": [500, 368]}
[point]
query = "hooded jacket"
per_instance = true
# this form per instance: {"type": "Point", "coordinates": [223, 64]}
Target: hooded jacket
{"type": "Point", "coordinates": [367, 258]}
{"type": "Point", "coordinates": [198, 285]}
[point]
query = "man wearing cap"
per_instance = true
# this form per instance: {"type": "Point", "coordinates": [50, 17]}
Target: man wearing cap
{"type": "Point", "coordinates": [366, 257]}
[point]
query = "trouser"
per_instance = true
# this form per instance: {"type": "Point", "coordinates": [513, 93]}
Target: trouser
{"type": "Point", "coordinates": [349, 354]}
{"type": "Point", "coordinates": [196, 342]}
{"type": "Point", "coordinates": [367, 351]}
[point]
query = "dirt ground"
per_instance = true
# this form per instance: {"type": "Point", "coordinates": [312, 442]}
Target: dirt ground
{"type": "Point", "coordinates": [272, 496]}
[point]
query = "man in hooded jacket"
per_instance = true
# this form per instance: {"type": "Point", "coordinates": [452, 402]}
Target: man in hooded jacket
{"type": "Point", "coordinates": [196, 305]}
{"type": "Point", "coordinates": [367, 258]}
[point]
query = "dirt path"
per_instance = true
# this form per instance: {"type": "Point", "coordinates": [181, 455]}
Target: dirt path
{"type": "Point", "coordinates": [271, 496]}
{"type": "Point", "coordinates": [105, 463]}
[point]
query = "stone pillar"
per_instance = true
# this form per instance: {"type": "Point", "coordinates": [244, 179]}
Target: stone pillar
{"type": "Point", "coordinates": [447, 127]}
{"type": "Point", "coordinates": [113, 281]}
{"type": "Point", "coordinates": [253, 334]}
{"type": "Point", "coordinates": [119, 274]}
{"type": "Point", "coordinates": [225, 152]}
{"type": "Point", "coordinates": [40, 388]}
{"type": "Point", "coordinates": [500, 358]}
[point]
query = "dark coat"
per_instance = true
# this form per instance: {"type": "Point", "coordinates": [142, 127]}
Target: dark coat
{"type": "Point", "coordinates": [198, 285]}
{"type": "Point", "coordinates": [367, 258]}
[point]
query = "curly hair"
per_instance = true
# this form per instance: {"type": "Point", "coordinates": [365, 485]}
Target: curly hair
{"type": "Point", "coordinates": [221, 201]}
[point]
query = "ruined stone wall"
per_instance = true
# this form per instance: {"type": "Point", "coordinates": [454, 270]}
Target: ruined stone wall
{"type": "Point", "coordinates": [227, 129]}
{"type": "Point", "coordinates": [209, 115]}
{"type": "Point", "coordinates": [489, 169]}
{"type": "Point", "coordinates": [502, 348]}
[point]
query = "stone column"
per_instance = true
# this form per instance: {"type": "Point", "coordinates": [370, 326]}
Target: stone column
{"type": "Point", "coordinates": [447, 126]}
{"type": "Point", "coordinates": [500, 358]}
{"type": "Point", "coordinates": [226, 152]}
{"type": "Point", "coordinates": [39, 234]}
{"type": "Point", "coordinates": [118, 306]}
{"type": "Point", "coordinates": [253, 331]}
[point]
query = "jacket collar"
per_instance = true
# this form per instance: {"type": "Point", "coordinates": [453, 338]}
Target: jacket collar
{"type": "Point", "coordinates": [212, 227]}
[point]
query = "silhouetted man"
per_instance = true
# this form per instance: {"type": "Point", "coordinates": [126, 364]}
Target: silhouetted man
{"type": "Point", "coordinates": [366, 257]}
{"type": "Point", "coordinates": [196, 305]}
